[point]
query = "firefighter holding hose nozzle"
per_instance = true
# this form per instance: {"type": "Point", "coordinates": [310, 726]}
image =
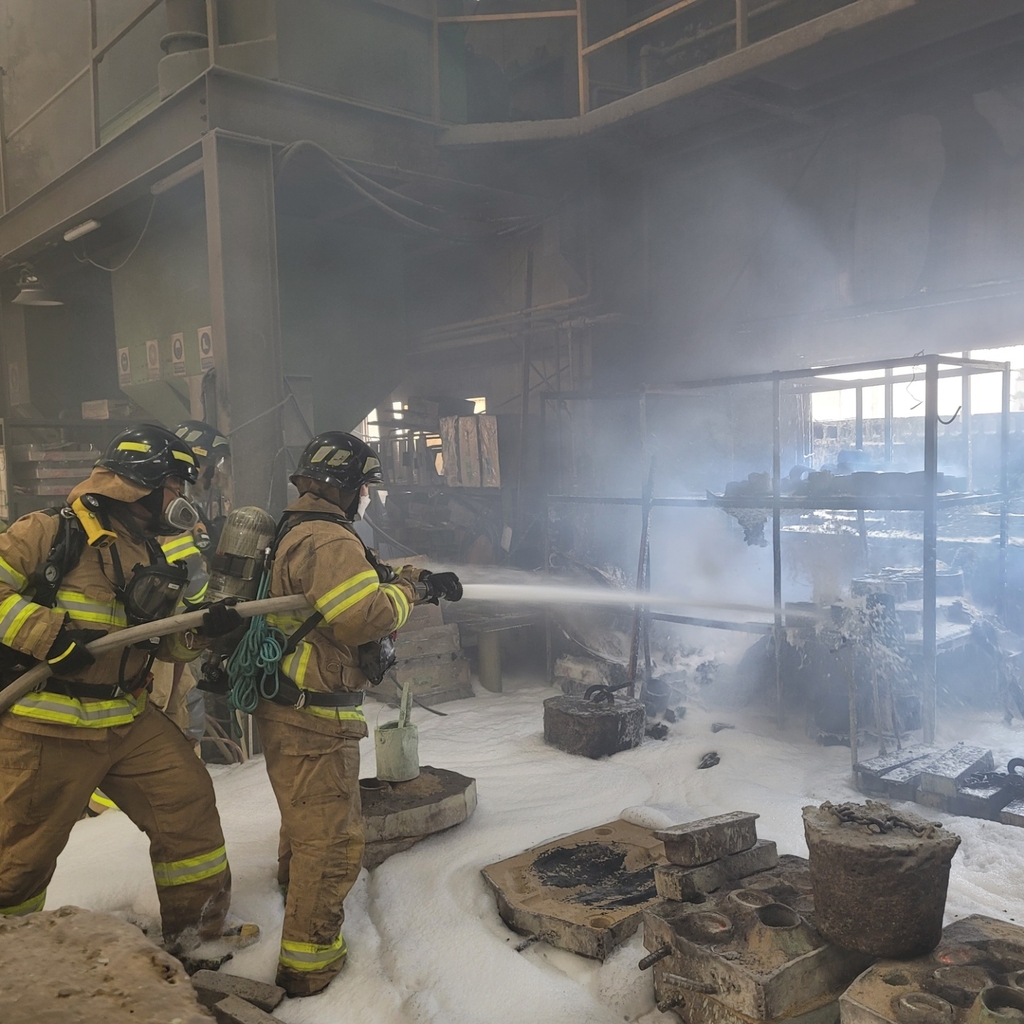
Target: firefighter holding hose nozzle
{"type": "Point", "coordinates": [68, 576]}
{"type": "Point", "coordinates": [312, 726]}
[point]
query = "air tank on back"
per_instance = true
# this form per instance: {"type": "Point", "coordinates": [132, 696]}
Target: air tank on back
{"type": "Point", "coordinates": [237, 566]}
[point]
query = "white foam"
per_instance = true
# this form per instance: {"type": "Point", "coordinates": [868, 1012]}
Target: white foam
{"type": "Point", "coordinates": [426, 943]}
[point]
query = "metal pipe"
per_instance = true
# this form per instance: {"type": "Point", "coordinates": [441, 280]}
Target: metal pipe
{"type": "Point", "coordinates": [462, 19]}
{"type": "Point", "coordinates": [652, 958]}
{"type": "Point", "coordinates": [762, 628]}
{"type": "Point", "coordinates": [637, 26]}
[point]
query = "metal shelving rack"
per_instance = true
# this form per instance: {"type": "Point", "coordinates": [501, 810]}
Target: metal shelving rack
{"type": "Point", "coordinates": [856, 377]}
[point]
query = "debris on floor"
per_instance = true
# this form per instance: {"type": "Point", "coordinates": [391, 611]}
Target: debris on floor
{"type": "Point", "coordinates": [90, 968]}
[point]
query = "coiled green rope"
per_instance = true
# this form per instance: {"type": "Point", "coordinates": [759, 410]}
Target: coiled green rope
{"type": "Point", "coordinates": [253, 665]}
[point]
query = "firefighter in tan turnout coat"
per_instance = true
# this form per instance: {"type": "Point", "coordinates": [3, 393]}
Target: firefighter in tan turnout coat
{"type": "Point", "coordinates": [312, 750]}
{"type": "Point", "coordinates": [91, 725]}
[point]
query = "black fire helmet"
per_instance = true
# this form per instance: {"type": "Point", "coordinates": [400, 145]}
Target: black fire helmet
{"type": "Point", "coordinates": [208, 444]}
{"type": "Point", "coordinates": [341, 460]}
{"type": "Point", "coordinates": [148, 454]}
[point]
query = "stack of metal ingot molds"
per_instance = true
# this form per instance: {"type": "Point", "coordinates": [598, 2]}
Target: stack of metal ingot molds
{"type": "Point", "coordinates": [733, 939]}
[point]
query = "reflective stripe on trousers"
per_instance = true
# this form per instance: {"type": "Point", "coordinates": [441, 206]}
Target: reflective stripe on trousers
{"type": "Point", "coordinates": [89, 714]}
{"type": "Point", "coordinates": [28, 907]}
{"type": "Point", "coordinates": [307, 956]}
{"type": "Point", "coordinates": [193, 869]}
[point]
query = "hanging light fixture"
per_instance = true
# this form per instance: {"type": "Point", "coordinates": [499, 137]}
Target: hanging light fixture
{"type": "Point", "coordinates": [32, 290]}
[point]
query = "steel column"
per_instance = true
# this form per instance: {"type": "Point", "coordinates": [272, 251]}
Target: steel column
{"type": "Point", "coordinates": [583, 71]}
{"type": "Point", "coordinates": [242, 242]}
{"type": "Point", "coordinates": [931, 465]}
{"type": "Point", "coordinates": [777, 539]}
{"type": "Point", "coordinates": [742, 35]}
{"type": "Point", "coordinates": [1004, 487]}
{"type": "Point", "coordinates": [965, 426]}
{"type": "Point", "coordinates": [888, 416]}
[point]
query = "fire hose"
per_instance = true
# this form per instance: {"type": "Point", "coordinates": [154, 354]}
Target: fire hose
{"type": "Point", "coordinates": [38, 674]}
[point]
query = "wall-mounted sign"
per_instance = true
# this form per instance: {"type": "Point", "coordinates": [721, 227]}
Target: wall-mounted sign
{"type": "Point", "coordinates": [153, 360]}
{"type": "Point", "coordinates": [124, 366]}
{"type": "Point", "coordinates": [205, 348]}
{"type": "Point", "coordinates": [178, 354]}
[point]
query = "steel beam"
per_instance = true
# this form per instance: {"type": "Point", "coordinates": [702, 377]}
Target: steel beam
{"type": "Point", "coordinates": [259, 108]}
{"type": "Point", "coordinates": [242, 242]}
{"type": "Point", "coordinates": [111, 176]}
{"type": "Point", "coordinates": [168, 138]}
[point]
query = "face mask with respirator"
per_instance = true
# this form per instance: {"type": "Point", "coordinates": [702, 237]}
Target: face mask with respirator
{"type": "Point", "coordinates": [180, 516]}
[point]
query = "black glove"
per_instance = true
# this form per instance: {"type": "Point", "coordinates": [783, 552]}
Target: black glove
{"type": "Point", "coordinates": [220, 619]}
{"type": "Point", "coordinates": [440, 584]}
{"type": "Point", "coordinates": [68, 653]}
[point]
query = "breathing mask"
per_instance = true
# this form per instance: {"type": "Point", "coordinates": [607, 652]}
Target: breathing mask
{"type": "Point", "coordinates": [364, 504]}
{"type": "Point", "coordinates": [153, 591]}
{"type": "Point", "coordinates": [180, 516]}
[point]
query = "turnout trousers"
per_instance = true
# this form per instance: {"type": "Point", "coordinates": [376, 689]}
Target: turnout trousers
{"type": "Point", "coordinates": [316, 781]}
{"type": "Point", "coordinates": [148, 768]}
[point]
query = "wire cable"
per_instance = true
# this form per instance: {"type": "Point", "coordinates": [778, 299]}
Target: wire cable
{"type": "Point", "coordinates": [111, 270]}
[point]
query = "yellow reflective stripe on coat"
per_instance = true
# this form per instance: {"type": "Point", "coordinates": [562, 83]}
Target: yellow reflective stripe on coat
{"type": "Point", "coordinates": [193, 869]}
{"type": "Point", "coordinates": [295, 665]}
{"type": "Point", "coordinates": [82, 609]}
{"type": "Point", "coordinates": [11, 576]}
{"type": "Point", "coordinates": [89, 714]}
{"type": "Point", "coordinates": [179, 548]}
{"type": "Point", "coordinates": [346, 594]}
{"type": "Point", "coordinates": [14, 610]}
{"type": "Point", "coordinates": [307, 956]}
{"type": "Point", "coordinates": [400, 602]}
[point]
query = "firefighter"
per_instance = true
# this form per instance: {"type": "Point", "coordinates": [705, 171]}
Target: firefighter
{"type": "Point", "coordinates": [172, 681]}
{"type": "Point", "coordinates": [213, 458]}
{"type": "Point", "coordinates": [311, 731]}
{"type": "Point", "coordinates": [91, 725]}
{"type": "Point", "coordinates": [173, 690]}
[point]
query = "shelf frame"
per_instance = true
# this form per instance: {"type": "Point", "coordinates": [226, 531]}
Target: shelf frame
{"type": "Point", "coordinates": [811, 380]}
